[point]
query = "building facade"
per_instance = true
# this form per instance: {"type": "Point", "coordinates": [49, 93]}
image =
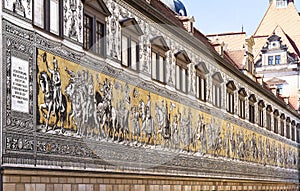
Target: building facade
{"type": "Point", "coordinates": [127, 95]}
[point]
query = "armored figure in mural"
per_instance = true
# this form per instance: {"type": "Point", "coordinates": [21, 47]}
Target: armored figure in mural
{"type": "Point", "coordinates": [54, 101]}
{"type": "Point", "coordinates": [163, 121]}
{"type": "Point", "coordinates": [186, 136]}
{"type": "Point", "coordinates": [254, 147]}
{"type": "Point", "coordinates": [135, 116]}
{"type": "Point", "coordinates": [232, 140]}
{"type": "Point", "coordinates": [241, 145]}
{"type": "Point", "coordinates": [174, 132]}
{"type": "Point", "coordinates": [147, 120]}
{"type": "Point", "coordinates": [200, 134]}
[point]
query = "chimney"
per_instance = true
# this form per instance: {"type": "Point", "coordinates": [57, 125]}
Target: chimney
{"type": "Point", "coordinates": [286, 99]}
{"type": "Point", "coordinates": [274, 90]}
{"type": "Point", "coordinates": [188, 23]}
{"type": "Point", "coordinates": [260, 80]}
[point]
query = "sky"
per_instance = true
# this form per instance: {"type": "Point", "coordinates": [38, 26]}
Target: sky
{"type": "Point", "coordinates": [221, 16]}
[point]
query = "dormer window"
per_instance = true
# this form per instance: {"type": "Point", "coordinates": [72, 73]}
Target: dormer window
{"type": "Point", "coordinates": [281, 3]}
{"type": "Point", "coordinates": [270, 60]}
{"type": "Point", "coordinates": [277, 59]}
{"type": "Point", "coordinates": [182, 62]}
{"type": "Point", "coordinates": [158, 59]}
{"type": "Point", "coordinates": [130, 43]}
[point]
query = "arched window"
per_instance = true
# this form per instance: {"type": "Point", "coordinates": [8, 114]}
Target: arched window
{"type": "Point", "coordinates": [252, 101]}
{"type": "Point", "coordinates": [268, 118]}
{"type": "Point", "coordinates": [288, 128]}
{"type": "Point", "coordinates": [293, 128]}
{"type": "Point", "coordinates": [282, 121]}
{"type": "Point", "coordinates": [201, 83]}
{"type": "Point", "coordinates": [298, 133]}
{"type": "Point", "coordinates": [242, 103]}
{"type": "Point", "coordinates": [261, 106]}
{"type": "Point", "coordinates": [217, 81]}
{"type": "Point", "coordinates": [158, 58]}
{"type": "Point", "coordinates": [275, 116]}
{"type": "Point", "coordinates": [230, 89]}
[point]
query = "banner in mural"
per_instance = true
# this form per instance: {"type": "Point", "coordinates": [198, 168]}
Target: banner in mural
{"type": "Point", "coordinates": [75, 101]}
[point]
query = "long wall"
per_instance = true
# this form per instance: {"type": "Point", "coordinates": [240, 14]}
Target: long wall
{"type": "Point", "coordinates": [75, 120]}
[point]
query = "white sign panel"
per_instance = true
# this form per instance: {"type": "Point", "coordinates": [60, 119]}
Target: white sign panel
{"type": "Point", "coordinates": [19, 85]}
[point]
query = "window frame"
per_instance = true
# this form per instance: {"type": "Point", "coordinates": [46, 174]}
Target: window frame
{"type": "Point", "coordinates": [293, 130]}
{"type": "Point", "coordinates": [201, 87]}
{"type": "Point", "coordinates": [269, 118]}
{"type": "Point", "coordinates": [230, 97]}
{"type": "Point", "coordinates": [159, 48]}
{"type": "Point", "coordinates": [46, 17]}
{"type": "Point", "coordinates": [242, 103]}
{"type": "Point", "coordinates": [261, 106]}
{"type": "Point", "coordinates": [277, 61]}
{"type": "Point", "coordinates": [288, 128]}
{"type": "Point", "coordinates": [181, 71]}
{"type": "Point", "coordinates": [217, 82]}
{"type": "Point", "coordinates": [276, 121]}
{"type": "Point", "coordinates": [282, 125]}
{"type": "Point", "coordinates": [252, 101]}
{"type": "Point", "coordinates": [132, 32]}
{"type": "Point", "coordinates": [270, 60]}
{"type": "Point", "coordinates": [98, 12]}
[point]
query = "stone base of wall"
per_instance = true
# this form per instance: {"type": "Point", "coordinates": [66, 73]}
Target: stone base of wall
{"type": "Point", "coordinates": [46, 180]}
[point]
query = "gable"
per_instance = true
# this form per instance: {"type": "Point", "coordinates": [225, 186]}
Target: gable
{"type": "Point", "coordinates": [201, 67]}
{"type": "Point", "coordinates": [98, 5]}
{"type": "Point", "coordinates": [261, 104]}
{"type": "Point", "coordinates": [275, 81]}
{"type": "Point", "coordinates": [252, 98]}
{"type": "Point", "coordinates": [285, 19]}
{"type": "Point", "coordinates": [218, 77]}
{"type": "Point", "coordinates": [243, 92]}
{"type": "Point", "coordinates": [160, 42]}
{"type": "Point", "coordinates": [131, 25]}
{"type": "Point", "coordinates": [182, 55]}
{"type": "Point", "coordinates": [231, 85]}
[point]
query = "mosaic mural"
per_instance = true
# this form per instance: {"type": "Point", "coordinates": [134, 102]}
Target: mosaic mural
{"type": "Point", "coordinates": [75, 101]}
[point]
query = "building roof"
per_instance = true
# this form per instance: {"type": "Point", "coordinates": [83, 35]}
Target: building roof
{"type": "Point", "coordinates": [281, 20]}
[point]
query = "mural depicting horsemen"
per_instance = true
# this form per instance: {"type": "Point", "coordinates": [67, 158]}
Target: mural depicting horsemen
{"type": "Point", "coordinates": [78, 102]}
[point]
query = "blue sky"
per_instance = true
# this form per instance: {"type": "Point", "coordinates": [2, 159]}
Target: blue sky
{"type": "Point", "coordinates": [219, 16]}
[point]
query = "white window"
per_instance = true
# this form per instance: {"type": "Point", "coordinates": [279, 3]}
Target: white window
{"type": "Point", "coordinates": [182, 61]}
{"type": "Point", "coordinates": [217, 95]}
{"type": "Point", "coordinates": [201, 87]}
{"type": "Point", "coordinates": [48, 15]}
{"type": "Point", "coordinates": [130, 43]}
{"type": "Point", "coordinates": [158, 59]}
{"type": "Point", "coordinates": [230, 88]}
